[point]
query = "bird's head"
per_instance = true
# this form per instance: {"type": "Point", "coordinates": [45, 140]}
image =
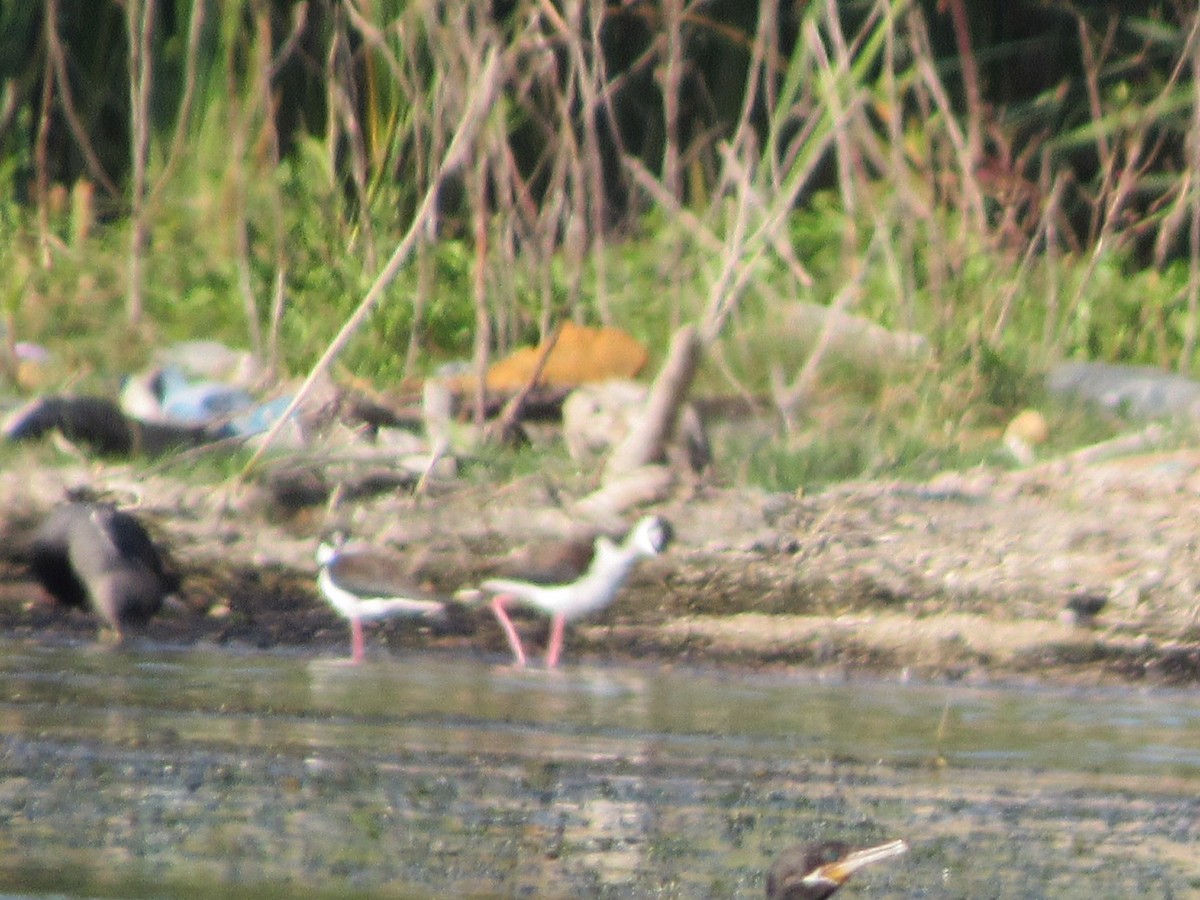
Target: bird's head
{"type": "Point", "coordinates": [651, 535]}
{"type": "Point", "coordinates": [331, 544]}
{"type": "Point", "coordinates": [816, 871]}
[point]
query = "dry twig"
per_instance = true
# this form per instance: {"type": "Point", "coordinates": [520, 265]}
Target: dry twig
{"type": "Point", "coordinates": [474, 113]}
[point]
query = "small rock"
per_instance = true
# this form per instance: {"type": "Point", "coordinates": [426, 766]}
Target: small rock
{"type": "Point", "coordinates": [1027, 430]}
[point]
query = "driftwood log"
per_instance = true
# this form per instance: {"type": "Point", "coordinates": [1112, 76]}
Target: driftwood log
{"type": "Point", "coordinates": [647, 440]}
{"type": "Point", "coordinates": [100, 424]}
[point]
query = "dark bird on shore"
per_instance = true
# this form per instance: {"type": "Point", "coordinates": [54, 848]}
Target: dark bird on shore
{"type": "Point", "coordinates": [1081, 609]}
{"type": "Point", "coordinates": [367, 584]}
{"type": "Point", "coordinates": [815, 871]}
{"type": "Point", "coordinates": [574, 580]}
{"type": "Point", "coordinates": [93, 556]}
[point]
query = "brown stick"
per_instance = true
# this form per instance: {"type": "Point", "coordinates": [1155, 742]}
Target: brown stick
{"type": "Point", "coordinates": [56, 59]}
{"type": "Point", "coordinates": [970, 77]}
{"type": "Point", "coordinates": [41, 167]}
{"type": "Point", "coordinates": [647, 439]}
{"type": "Point", "coordinates": [477, 185]}
{"type": "Point", "coordinates": [504, 429]}
{"type": "Point", "coordinates": [140, 27]}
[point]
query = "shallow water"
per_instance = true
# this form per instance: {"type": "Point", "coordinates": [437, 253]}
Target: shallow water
{"type": "Point", "coordinates": [155, 771]}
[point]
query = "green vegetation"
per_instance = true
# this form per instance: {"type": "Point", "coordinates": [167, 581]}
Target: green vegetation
{"type": "Point", "coordinates": [1016, 200]}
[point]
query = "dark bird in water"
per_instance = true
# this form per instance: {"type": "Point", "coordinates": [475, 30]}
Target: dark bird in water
{"type": "Point", "coordinates": [815, 871]}
{"type": "Point", "coordinates": [573, 580]}
{"type": "Point", "coordinates": [367, 584]}
{"type": "Point", "coordinates": [93, 556]}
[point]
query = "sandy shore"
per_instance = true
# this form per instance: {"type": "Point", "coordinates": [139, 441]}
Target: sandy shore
{"type": "Point", "coordinates": [962, 577]}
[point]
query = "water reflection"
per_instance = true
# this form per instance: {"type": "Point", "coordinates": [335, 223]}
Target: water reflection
{"type": "Point", "coordinates": [432, 775]}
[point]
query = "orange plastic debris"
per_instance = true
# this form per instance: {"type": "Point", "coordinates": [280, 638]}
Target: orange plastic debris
{"type": "Point", "coordinates": [581, 355]}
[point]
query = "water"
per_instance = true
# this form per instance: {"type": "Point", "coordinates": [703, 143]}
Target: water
{"type": "Point", "coordinates": [160, 772]}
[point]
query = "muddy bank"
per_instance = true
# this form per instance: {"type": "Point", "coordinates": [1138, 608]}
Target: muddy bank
{"type": "Point", "coordinates": [962, 577]}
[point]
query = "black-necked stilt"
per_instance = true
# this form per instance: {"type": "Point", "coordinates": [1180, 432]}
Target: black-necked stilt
{"type": "Point", "coordinates": [578, 580]}
{"type": "Point", "coordinates": [367, 584]}
{"type": "Point", "coordinates": [815, 871]}
{"type": "Point", "coordinates": [92, 555]}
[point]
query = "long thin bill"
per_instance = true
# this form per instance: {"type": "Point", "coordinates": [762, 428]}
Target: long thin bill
{"type": "Point", "coordinates": [837, 872]}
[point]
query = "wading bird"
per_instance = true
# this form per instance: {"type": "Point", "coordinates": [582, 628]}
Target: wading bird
{"type": "Point", "coordinates": [574, 581]}
{"type": "Point", "coordinates": [366, 584]}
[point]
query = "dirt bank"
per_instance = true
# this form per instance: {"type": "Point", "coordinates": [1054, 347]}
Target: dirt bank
{"type": "Point", "coordinates": [965, 576]}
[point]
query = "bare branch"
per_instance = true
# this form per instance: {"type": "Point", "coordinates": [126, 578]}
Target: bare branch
{"type": "Point", "coordinates": [476, 110]}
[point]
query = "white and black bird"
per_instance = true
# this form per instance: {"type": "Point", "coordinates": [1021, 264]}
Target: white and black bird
{"type": "Point", "coordinates": [368, 584]}
{"type": "Point", "coordinates": [574, 580]}
{"type": "Point", "coordinates": [94, 556]}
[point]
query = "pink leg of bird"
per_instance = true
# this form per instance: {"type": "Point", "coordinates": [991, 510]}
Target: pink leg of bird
{"type": "Point", "coordinates": [358, 647]}
{"type": "Point", "coordinates": [554, 648]}
{"type": "Point", "coordinates": [499, 602]}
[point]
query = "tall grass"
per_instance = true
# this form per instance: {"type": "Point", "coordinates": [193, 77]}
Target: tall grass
{"type": "Point", "coordinates": [278, 155]}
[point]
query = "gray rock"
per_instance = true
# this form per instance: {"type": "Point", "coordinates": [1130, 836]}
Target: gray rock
{"type": "Point", "coordinates": [1143, 392]}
